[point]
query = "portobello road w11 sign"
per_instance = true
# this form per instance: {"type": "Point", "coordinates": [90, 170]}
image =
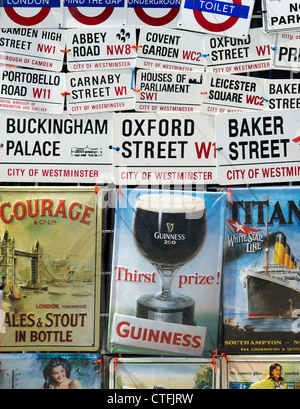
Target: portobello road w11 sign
{"type": "Point", "coordinates": [258, 147]}
{"type": "Point", "coordinates": [218, 17]}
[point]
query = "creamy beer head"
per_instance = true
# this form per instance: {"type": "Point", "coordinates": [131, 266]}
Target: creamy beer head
{"type": "Point", "coordinates": [169, 229]}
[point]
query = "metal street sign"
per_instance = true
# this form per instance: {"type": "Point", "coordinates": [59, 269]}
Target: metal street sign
{"type": "Point", "coordinates": [32, 48]}
{"type": "Point", "coordinates": [104, 48]}
{"type": "Point", "coordinates": [229, 55]}
{"type": "Point", "coordinates": [168, 91]}
{"type": "Point", "coordinates": [286, 51]}
{"type": "Point", "coordinates": [31, 90]}
{"type": "Point", "coordinates": [159, 148]}
{"type": "Point", "coordinates": [56, 148]}
{"type": "Point", "coordinates": [282, 94]}
{"type": "Point", "coordinates": [258, 147]}
{"type": "Point", "coordinates": [167, 49]}
{"type": "Point", "coordinates": [231, 93]}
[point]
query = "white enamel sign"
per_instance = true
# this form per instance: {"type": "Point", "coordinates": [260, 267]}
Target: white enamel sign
{"type": "Point", "coordinates": [32, 48]}
{"type": "Point", "coordinates": [283, 94]}
{"type": "Point", "coordinates": [167, 49]}
{"type": "Point", "coordinates": [49, 148]}
{"type": "Point", "coordinates": [228, 93]}
{"type": "Point", "coordinates": [31, 90]}
{"type": "Point", "coordinates": [258, 147]}
{"type": "Point", "coordinates": [286, 51]}
{"type": "Point", "coordinates": [99, 91]}
{"type": "Point", "coordinates": [164, 148]}
{"type": "Point", "coordinates": [218, 17]}
{"type": "Point", "coordinates": [163, 91]}
{"type": "Point", "coordinates": [281, 15]}
{"type": "Point", "coordinates": [229, 55]}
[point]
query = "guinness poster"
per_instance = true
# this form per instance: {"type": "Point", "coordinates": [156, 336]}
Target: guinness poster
{"type": "Point", "coordinates": [166, 277]}
{"type": "Point", "coordinates": [261, 275]}
{"type": "Point", "coordinates": [50, 268]}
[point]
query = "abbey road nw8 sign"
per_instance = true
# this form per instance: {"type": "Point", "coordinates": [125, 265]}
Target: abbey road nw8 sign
{"type": "Point", "coordinates": [153, 13]}
{"type": "Point", "coordinates": [159, 148]}
{"type": "Point", "coordinates": [94, 13]}
{"type": "Point", "coordinates": [31, 90]}
{"type": "Point", "coordinates": [281, 15]}
{"type": "Point", "coordinates": [218, 17]}
{"type": "Point", "coordinates": [282, 94]}
{"type": "Point", "coordinates": [31, 13]}
{"type": "Point", "coordinates": [286, 51]}
{"type": "Point", "coordinates": [167, 49]}
{"type": "Point", "coordinates": [168, 91]}
{"type": "Point", "coordinates": [258, 147]}
{"type": "Point", "coordinates": [99, 91]}
{"type": "Point", "coordinates": [105, 48]}
{"type": "Point", "coordinates": [228, 93]}
{"type": "Point", "coordinates": [229, 55]}
{"type": "Point", "coordinates": [59, 149]}
{"type": "Point", "coordinates": [32, 48]}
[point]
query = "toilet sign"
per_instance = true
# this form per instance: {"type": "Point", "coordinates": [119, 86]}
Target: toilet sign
{"type": "Point", "coordinates": [31, 13]}
{"type": "Point", "coordinates": [230, 18]}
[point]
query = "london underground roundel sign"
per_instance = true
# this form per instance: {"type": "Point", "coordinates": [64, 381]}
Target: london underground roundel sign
{"type": "Point", "coordinates": [226, 17]}
{"type": "Point", "coordinates": [26, 13]}
{"type": "Point", "coordinates": [149, 13]}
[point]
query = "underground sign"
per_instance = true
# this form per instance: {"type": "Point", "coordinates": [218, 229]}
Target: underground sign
{"type": "Point", "coordinates": [161, 13]}
{"type": "Point", "coordinates": [230, 18]}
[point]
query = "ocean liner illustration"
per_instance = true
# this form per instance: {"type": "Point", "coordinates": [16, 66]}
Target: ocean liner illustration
{"type": "Point", "coordinates": [273, 289]}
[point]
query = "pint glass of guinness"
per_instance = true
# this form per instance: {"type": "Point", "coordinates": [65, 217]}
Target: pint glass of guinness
{"type": "Point", "coordinates": [169, 230]}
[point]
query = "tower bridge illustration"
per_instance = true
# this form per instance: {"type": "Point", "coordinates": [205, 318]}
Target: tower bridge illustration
{"type": "Point", "coordinates": [39, 271]}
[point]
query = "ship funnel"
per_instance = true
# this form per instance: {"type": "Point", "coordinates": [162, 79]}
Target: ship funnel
{"type": "Point", "coordinates": [279, 251]}
{"type": "Point", "coordinates": [292, 262]}
{"type": "Point", "coordinates": [287, 257]}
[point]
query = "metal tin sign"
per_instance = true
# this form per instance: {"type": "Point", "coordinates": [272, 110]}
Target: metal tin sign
{"type": "Point", "coordinates": [48, 148]}
{"type": "Point", "coordinates": [258, 147]}
{"type": "Point", "coordinates": [282, 15]}
{"type": "Point", "coordinates": [167, 49]}
{"type": "Point", "coordinates": [286, 51]}
{"type": "Point", "coordinates": [97, 49]}
{"type": "Point", "coordinates": [164, 148]}
{"type": "Point", "coordinates": [227, 93]}
{"type": "Point", "coordinates": [282, 94]}
{"type": "Point", "coordinates": [31, 13]}
{"type": "Point", "coordinates": [50, 268]}
{"type": "Point", "coordinates": [172, 310]}
{"type": "Point", "coordinates": [261, 265]}
{"type": "Point", "coordinates": [217, 17]}
{"type": "Point", "coordinates": [38, 371]}
{"type": "Point", "coordinates": [99, 91]}
{"type": "Point", "coordinates": [32, 48]}
{"type": "Point", "coordinates": [168, 91]}
{"type": "Point", "coordinates": [153, 13]}
{"type": "Point", "coordinates": [91, 13]}
{"type": "Point", "coordinates": [257, 372]}
{"type": "Point", "coordinates": [164, 373]}
{"type": "Point", "coordinates": [31, 91]}
{"type": "Point", "coordinates": [229, 55]}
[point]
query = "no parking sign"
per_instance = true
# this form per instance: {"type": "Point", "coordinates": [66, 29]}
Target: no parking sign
{"type": "Point", "coordinates": [231, 18]}
{"type": "Point", "coordinates": [29, 13]}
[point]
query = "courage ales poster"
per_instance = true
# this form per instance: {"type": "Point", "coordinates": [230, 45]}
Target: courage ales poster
{"type": "Point", "coordinates": [261, 275]}
{"type": "Point", "coordinates": [166, 272]}
{"type": "Point", "coordinates": [50, 268]}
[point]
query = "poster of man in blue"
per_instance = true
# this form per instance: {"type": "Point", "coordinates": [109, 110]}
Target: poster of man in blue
{"type": "Point", "coordinates": [166, 272]}
{"type": "Point", "coordinates": [261, 289]}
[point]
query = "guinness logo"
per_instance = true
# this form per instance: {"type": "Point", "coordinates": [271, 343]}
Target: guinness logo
{"type": "Point", "coordinates": [170, 227]}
